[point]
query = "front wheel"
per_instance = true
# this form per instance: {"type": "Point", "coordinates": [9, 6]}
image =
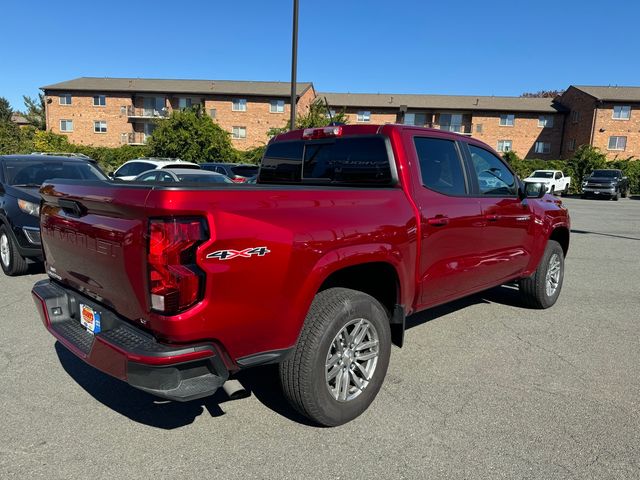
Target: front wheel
{"type": "Point", "coordinates": [542, 289]}
{"type": "Point", "coordinates": [12, 262]}
{"type": "Point", "coordinates": [341, 358]}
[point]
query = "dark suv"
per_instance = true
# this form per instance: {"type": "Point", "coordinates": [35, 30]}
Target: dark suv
{"type": "Point", "coordinates": [20, 179]}
{"type": "Point", "coordinates": [610, 183]}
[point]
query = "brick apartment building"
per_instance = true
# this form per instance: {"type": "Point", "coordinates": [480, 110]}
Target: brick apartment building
{"type": "Point", "coordinates": [530, 126]}
{"type": "Point", "coordinates": [117, 111]}
{"type": "Point", "coordinates": [109, 112]}
{"type": "Point", "coordinates": [605, 117]}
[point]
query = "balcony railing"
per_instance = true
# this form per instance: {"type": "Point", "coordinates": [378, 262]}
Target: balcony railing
{"type": "Point", "coordinates": [136, 112]}
{"type": "Point", "coordinates": [134, 138]}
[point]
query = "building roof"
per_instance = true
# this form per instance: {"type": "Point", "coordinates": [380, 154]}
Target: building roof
{"type": "Point", "coordinates": [19, 119]}
{"type": "Point", "coordinates": [441, 102]}
{"type": "Point", "coordinates": [228, 87]}
{"type": "Point", "coordinates": [611, 93]}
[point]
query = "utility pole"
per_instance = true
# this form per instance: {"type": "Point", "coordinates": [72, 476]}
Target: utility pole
{"type": "Point", "coordinates": [294, 64]}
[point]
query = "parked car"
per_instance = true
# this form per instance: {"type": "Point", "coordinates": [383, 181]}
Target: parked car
{"type": "Point", "coordinates": [182, 175]}
{"type": "Point", "coordinates": [20, 179]}
{"type": "Point", "coordinates": [351, 229]}
{"type": "Point", "coordinates": [131, 169]}
{"type": "Point", "coordinates": [609, 183]}
{"type": "Point", "coordinates": [554, 180]}
{"type": "Point", "coordinates": [66, 154]}
{"type": "Point", "coordinates": [237, 172]}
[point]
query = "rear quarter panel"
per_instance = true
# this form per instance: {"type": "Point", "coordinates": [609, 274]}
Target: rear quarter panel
{"type": "Point", "coordinates": [259, 303]}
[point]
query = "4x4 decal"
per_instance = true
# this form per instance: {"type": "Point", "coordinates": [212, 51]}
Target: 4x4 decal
{"type": "Point", "coordinates": [246, 253]}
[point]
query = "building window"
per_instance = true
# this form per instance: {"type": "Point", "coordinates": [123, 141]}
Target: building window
{"type": "Point", "coordinates": [545, 121]}
{"type": "Point", "coordinates": [99, 100]}
{"type": "Point", "coordinates": [239, 133]}
{"type": "Point", "coordinates": [239, 105]}
{"type": "Point", "coordinates": [542, 147]}
{"type": "Point", "coordinates": [451, 122]}
{"type": "Point", "coordinates": [184, 102]}
{"type": "Point", "coordinates": [575, 116]}
{"type": "Point", "coordinates": [572, 145]}
{"type": "Point", "coordinates": [504, 145]}
{"type": "Point", "coordinates": [621, 112]}
{"type": "Point", "coordinates": [276, 106]}
{"type": "Point", "coordinates": [479, 128]}
{"type": "Point", "coordinates": [507, 119]}
{"type": "Point", "coordinates": [100, 126]}
{"type": "Point", "coordinates": [331, 114]}
{"type": "Point", "coordinates": [617, 143]}
{"type": "Point", "coordinates": [212, 113]}
{"type": "Point", "coordinates": [66, 125]}
{"type": "Point", "coordinates": [65, 99]}
{"type": "Point", "coordinates": [363, 116]}
{"type": "Point", "coordinates": [419, 119]}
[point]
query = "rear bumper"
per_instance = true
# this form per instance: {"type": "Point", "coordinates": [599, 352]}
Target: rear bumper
{"type": "Point", "coordinates": [175, 372]}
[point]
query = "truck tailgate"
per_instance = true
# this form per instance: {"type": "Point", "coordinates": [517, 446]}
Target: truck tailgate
{"type": "Point", "coordinates": [93, 236]}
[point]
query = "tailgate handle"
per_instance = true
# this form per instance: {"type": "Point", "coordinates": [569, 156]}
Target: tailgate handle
{"type": "Point", "coordinates": [71, 207]}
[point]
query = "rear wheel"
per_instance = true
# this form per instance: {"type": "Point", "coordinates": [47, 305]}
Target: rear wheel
{"type": "Point", "coordinates": [10, 259]}
{"type": "Point", "coordinates": [542, 289]}
{"type": "Point", "coordinates": [341, 358]}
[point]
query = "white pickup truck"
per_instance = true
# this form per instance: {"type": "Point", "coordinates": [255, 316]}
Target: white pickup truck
{"type": "Point", "coordinates": [555, 180]}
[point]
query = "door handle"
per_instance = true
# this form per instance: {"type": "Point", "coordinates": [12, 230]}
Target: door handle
{"type": "Point", "coordinates": [492, 218]}
{"type": "Point", "coordinates": [438, 221]}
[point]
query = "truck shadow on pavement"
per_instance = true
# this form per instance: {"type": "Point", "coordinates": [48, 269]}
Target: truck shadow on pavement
{"type": "Point", "coordinates": [141, 407]}
{"type": "Point", "coordinates": [262, 382]}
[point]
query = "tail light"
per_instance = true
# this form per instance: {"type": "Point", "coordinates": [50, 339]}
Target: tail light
{"type": "Point", "coordinates": [238, 179]}
{"type": "Point", "coordinates": [175, 281]}
{"type": "Point", "coordinates": [323, 132]}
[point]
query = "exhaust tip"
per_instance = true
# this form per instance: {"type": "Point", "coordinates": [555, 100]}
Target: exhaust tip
{"type": "Point", "coordinates": [235, 390]}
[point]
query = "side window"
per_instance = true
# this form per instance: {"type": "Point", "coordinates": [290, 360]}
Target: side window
{"type": "Point", "coordinates": [440, 165]}
{"type": "Point", "coordinates": [149, 177]}
{"type": "Point", "coordinates": [494, 178]}
{"type": "Point", "coordinates": [165, 177]}
{"type": "Point", "coordinates": [557, 175]}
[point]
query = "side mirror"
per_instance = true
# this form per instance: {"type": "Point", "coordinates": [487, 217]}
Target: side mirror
{"type": "Point", "coordinates": [531, 190]}
{"type": "Point", "coordinates": [534, 190]}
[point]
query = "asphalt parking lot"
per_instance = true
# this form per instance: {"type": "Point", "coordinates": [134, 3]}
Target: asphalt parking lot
{"type": "Point", "coordinates": [484, 388]}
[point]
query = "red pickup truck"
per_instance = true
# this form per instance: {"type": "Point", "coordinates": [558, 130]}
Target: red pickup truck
{"type": "Point", "coordinates": [349, 230]}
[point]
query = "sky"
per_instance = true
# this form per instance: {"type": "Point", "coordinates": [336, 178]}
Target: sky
{"type": "Point", "coordinates": [488, 47]}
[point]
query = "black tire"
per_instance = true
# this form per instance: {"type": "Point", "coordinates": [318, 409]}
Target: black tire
{"type": "Point", "coordinates": [625, 193]}
{"type": "Point", "coordinates": [303, 374]}
{"type": "Point", "coordinates": [534, 288]}
{"type": "Point", "coordinates": [553, 190]}
{"type": "Point", "coordinates": [16, 264]}
{"type": "Point", "coordinates": [565, 192]}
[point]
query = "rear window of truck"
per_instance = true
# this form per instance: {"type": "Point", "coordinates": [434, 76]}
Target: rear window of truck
{"type": "Point", "coordinates": [360, 160]}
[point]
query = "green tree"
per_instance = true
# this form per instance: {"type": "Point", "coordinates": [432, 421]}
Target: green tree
{"type": "Point", "coordinates": [585, 159]}
{"type": "Point", "coordinates": [35, 112]}
{"type": "Point", "coordinates": [316, 116]}
{"type": "Point", "coordinates": [191, 135]}
{"type": "Point", "coordinates": [5, 110]}
{"type": "Point", "coordinates": [10, 138]}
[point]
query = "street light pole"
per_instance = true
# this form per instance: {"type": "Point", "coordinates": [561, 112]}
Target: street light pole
{"type": "Point", "coordinates": [294, 65]}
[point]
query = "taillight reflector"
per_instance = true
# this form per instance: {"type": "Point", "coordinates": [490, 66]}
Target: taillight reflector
{"type": "Point", "coordinates": [175, 281]}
